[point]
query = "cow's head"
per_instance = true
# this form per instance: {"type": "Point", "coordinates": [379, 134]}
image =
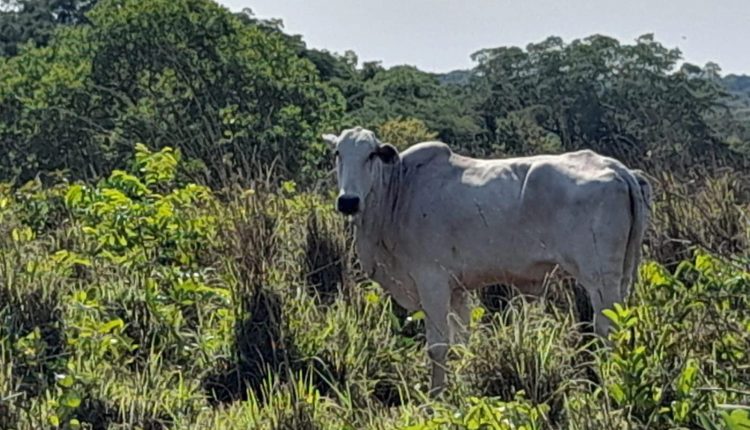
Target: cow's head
{"type": "Point", "coordinates": [360, 159]}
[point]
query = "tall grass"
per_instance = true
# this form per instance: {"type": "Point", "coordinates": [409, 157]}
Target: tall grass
{"type": "Point", "coordinates": [247, 310]}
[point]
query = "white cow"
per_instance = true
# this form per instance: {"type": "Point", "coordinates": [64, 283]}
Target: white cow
{"type": "Point", "coordinates": [432, 225]}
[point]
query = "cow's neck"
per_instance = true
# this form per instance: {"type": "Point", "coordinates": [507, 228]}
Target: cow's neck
{"type": "Point", "coordinates": [375, 232]}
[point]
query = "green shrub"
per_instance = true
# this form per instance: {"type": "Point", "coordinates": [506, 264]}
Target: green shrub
{"type": "Point", "coordinates": [142, 218]}
{"type": "Point", "coordinates": [682, 348]}
{"type": "Point", "coordinates": [487, 413]}
{"type": "Point", "coordinates": [228, 94]}
{"type": "Point", "coordinates": [525, 349]}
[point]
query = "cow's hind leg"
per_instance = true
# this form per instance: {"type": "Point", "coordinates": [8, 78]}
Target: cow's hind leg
{"type": "Point", "coordinates": [600, 264]}
{"type": "Point", "coordinates": [604, 290]}
{"type": "Point", "coordinates": [435, 297]}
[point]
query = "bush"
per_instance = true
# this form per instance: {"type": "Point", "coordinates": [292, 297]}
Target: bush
{"type": "Point", "coordinates": [682, 348]}
{"type": "Point", "coordinates": [144, 219]}
{"type": "Point", "coordinates": [707, 211]}
{"type": "Point", "coordinates": [228, 94]}
{"type": "Point", "coordinates": [524, 349]}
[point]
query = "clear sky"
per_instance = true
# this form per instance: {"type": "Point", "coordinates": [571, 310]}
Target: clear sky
{"type": "Point", "coordinates": [440, 35]}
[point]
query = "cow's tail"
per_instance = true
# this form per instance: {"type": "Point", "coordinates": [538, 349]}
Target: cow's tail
{"type": "Point", "coordinates": [640, 209]}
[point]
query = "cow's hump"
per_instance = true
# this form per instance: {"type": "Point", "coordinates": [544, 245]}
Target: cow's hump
{"type": "Point", "coordinates": [426, 152]}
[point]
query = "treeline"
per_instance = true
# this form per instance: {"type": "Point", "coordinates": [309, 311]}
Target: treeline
{"type": "Point", "coordinates": [82, 82]}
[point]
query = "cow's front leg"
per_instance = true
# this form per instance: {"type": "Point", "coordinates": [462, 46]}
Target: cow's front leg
{"type": "Point", "coordinates": [460, 316]}
{"type": "Point", "coordinates": [435, 297]}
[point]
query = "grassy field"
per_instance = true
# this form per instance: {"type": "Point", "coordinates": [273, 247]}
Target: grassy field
{"type": "Point", "coordinates": [146, 302]}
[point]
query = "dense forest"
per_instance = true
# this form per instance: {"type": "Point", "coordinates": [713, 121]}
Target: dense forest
{"type": "Point", "coordinates": [169, 257]}
{"type": "Point", "coordinates": [81, 85]}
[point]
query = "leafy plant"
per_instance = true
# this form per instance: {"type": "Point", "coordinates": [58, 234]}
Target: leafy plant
{"type": "Point", "coordinates": [132, 222]}
{"type": "Point", "coordinates": [487, 414]}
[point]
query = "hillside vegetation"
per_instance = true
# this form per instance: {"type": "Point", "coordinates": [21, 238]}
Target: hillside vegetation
{"type": "Point", "coordinates": [170, 258]}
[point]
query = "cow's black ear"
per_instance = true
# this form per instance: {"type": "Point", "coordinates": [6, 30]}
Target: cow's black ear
{"type": "Point", "coordinates": [387, 153]}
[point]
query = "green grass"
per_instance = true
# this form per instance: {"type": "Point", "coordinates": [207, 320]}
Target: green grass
{"type": "Point", "coordinates": [142, 302]}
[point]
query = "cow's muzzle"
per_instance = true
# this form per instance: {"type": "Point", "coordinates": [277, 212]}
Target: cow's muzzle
{"type": "Point", "coordinates": [347, 205]}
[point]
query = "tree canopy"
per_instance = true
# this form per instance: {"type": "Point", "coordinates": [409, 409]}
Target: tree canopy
{"type": "Point", "coordinates": [223, 92]}
{"type": "Point", "coordinates": [23, 21]}
{"type": "Point", "coordinates": [237, 95]}
{"type": "Point", "coordinates": [622, 100]}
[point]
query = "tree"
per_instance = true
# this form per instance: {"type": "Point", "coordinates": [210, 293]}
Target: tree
{"type": "Point", "coordinates": [403, 133]}
{"type": "Point", "coordinates": [22, 21]}
{"type": "Point", "coordinates": [406, 92]}
{"type": "Point", "coordinates": [230, 95]}
{"type": "Point", "coordinates": [622, 100]}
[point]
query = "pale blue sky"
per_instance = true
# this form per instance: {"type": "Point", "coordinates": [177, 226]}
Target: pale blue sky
{"type": "Point", "coordinates": [440, 35]}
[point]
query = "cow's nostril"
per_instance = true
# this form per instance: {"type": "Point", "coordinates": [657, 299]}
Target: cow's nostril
{"type": "Point", "coordinates": [348, 205]}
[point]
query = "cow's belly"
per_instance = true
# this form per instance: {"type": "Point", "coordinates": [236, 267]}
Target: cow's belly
{"type": "Point", "coordinates": [525, 278]}
{"type": "Point", "coordinates": [498, 255]}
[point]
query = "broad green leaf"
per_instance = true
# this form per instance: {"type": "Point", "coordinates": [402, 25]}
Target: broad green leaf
{"type": "Point", "coordinates": [111, 325]}
{"type": "Point", "coordinates": [74, 196]}
{"type": "Point", "coordinates": [67, 381]}
{"type": "Point", "coordinates": [372, 297]}
{"type": "Point", "coordinates": [612, 315]}
{"type": "Point", "coordinates": [417, 316]}
{"type": "Point", "coordinates": [738, 419]}
{"type": "Point", "coordinates": [687, 378]}
{"type": "Point", "coordinates": [54, 420]}
{"type": "Point", "coordinates": [71, 399]}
